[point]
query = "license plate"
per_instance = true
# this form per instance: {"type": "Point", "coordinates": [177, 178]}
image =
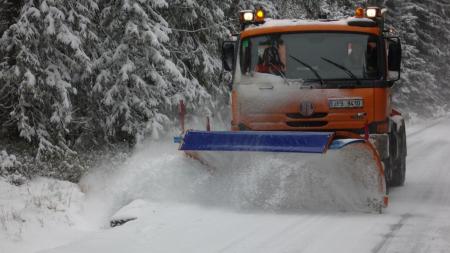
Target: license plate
{"type": "Point", "coordinates": [346, 103]}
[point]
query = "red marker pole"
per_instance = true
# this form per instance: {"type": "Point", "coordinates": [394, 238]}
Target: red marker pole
{"type": "Point", "coordinates": [366, 132]}
{"type": "Point", "coordinates": [208, 124]}
{"type": "Point", "coordinates": [182, 113]}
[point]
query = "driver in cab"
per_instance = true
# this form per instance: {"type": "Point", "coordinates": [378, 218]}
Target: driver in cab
{"type": "Point", "coordinates": [272, 57]}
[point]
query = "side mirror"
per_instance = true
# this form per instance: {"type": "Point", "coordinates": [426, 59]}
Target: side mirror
{"type": "Point", "coordinates": [394, 58]}
{"type": "Point", "coordinates": [228, 55]}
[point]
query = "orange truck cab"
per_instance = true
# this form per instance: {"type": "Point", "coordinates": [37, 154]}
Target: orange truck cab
{"type": "Point", "coordinates": [319, 75]}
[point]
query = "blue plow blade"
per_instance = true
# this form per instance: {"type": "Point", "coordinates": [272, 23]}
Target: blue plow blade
{"type": "Point", "coordinates": [301, 142]}
{"type": "Point", "coordinates": [340, 143]}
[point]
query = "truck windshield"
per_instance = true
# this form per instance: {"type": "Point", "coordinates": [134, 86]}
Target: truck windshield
{"type": "Point", "coordinates": [312, 56]}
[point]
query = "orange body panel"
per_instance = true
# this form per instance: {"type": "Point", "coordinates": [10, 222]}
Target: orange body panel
{"type": "Point", "coordinates": [317, 27]}
{"type": "Point", "coordinates": [278, 108]}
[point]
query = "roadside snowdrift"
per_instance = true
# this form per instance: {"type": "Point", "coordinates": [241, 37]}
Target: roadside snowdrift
{"type": "Point", "coordinates": [40, 214]}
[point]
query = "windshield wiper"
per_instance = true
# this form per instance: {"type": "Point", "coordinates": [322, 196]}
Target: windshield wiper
{"type": "Point", "coordinates": [309, 67]}
{"type": "Point", "coordinates": [282, 76]}
{"type": "Point", "coordinates": [346, 70]}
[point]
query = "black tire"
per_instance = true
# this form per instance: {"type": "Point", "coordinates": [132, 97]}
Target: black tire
{"type": "Point", "coordinates": [388, 163]}
{"type": "Point", "coordinates": [399, 165]}
{"type": "Point", "coordinates": [398, 175]}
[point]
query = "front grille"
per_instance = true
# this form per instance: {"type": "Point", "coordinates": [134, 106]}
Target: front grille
{"type": "Point", "coordinates": [316, 115]}
{"type": "Point", "coordinates": [307, 123]}
{"type": "Point", "coordinates": [243, 127]}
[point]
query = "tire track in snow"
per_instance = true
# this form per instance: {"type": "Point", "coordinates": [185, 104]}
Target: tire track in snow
{"type": "Point", "coordinates": [383, 245]}
{"type": "Point", "coordinates": [434, 123]}
{"type": "Point", "coordinates": [275, 236]}
{"type": "Point", "coordinates": [426, 190]}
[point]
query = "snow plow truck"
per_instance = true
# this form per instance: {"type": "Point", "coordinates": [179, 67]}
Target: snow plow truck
{"type": "Point", "coordinates": [314, 88]}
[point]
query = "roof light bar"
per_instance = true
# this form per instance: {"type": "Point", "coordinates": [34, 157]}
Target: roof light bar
{"type": "Point", "coordinates": [252, 16]}
{"type": "Point", "coordinates": [373, 12]}
{"type": "Point", "coordinates": [370, 12]}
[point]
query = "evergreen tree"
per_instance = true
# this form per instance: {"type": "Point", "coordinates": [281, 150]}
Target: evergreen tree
{"type": "Point", "coordinates": [138, 83]}
{"type": "Point", "coordinates": [194, 45]}
{"type": "Point", "coordinates": [45, 52]}
{"type": "Point", "coordinates": [425, 34]}
{"type": "Point", "coordinates": [9, 10]}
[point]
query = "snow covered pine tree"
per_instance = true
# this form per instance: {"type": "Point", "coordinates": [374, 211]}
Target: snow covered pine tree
{"type": "Point", "coordinates": [46, 57]}
{"type": "Point", "coordinates": [137, 82]}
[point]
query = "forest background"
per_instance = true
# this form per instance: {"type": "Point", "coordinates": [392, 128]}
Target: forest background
{"type": "Point", "coordinates": [82, 81]}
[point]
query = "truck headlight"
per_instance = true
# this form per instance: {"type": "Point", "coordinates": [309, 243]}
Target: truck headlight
{"type": "Point", "coordinates": [247, 16]}
{"type": "Point", "coordinates": [371, 13]}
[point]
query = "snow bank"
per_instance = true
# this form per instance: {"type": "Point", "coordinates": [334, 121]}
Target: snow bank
{"type": "Point", "coordinates": [158, 172]}
{"type": "Point", "coordinates": [7, 161]}
{"type": "Point", "coordinates": [40, 214]}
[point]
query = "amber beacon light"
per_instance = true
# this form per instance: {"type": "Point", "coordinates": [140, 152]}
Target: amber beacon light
{"type": "Point", "coordinates": [359, 13]}
{"type": "Point", "coordinates": [260, 15]}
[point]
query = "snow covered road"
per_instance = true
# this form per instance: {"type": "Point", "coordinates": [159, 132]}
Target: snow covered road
{"type": "Point", "coordinates": [417, 219]}
{"type": "Point", "coordinates": [422, 206]}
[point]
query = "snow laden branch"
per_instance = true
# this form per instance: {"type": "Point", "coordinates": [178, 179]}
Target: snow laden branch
{"type": "Point", "coordinates": [227, 22]}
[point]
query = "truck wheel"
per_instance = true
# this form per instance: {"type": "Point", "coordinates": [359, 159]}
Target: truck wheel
{"type": "Point", "coordinates": [398, 175]}
{"type": "Point", "coordinates": [388, 164]}
{"type": "Point", "coordinates": [399, 170]}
